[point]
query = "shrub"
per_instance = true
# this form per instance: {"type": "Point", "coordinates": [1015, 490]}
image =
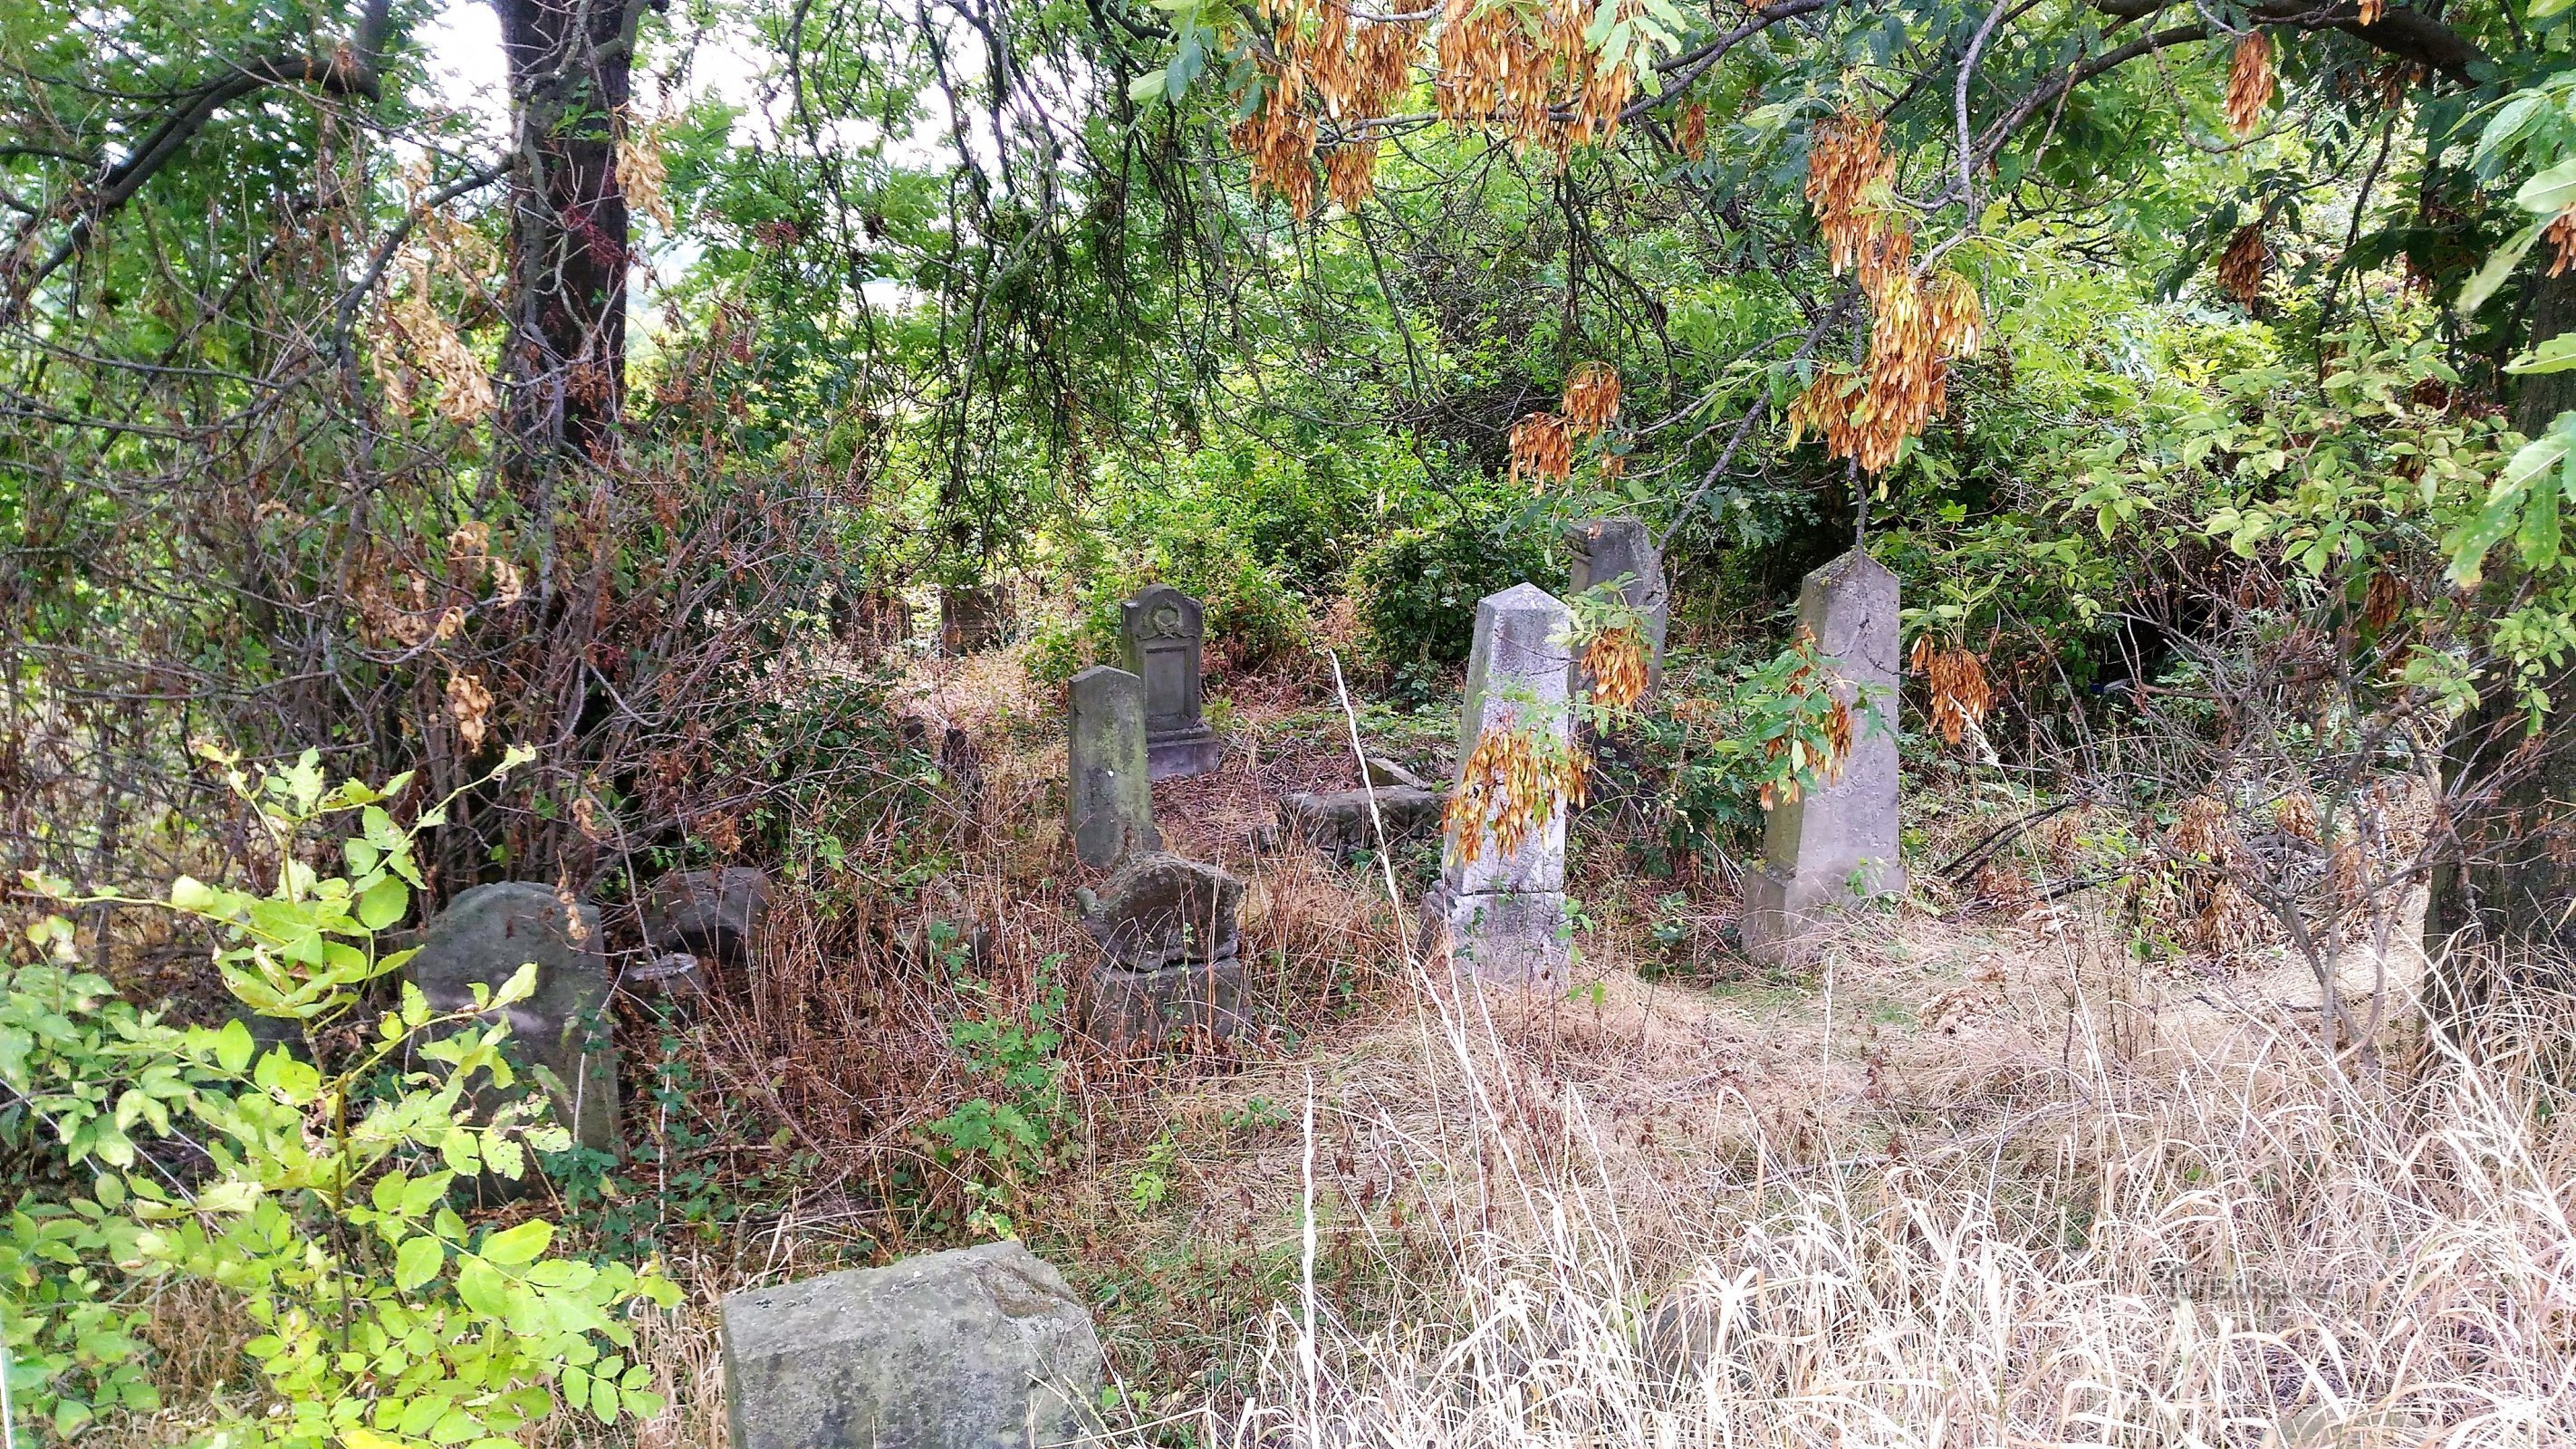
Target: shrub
{"type": "Point", "coordinates": [316, 1188]}
{"type": "Point", "coordinates": [1416, 591]}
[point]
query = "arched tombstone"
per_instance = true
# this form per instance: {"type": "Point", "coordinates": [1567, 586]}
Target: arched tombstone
{"type": "Point", "coordinates": [1163, 636]}
{"type": "Point", "coordinates": [482, 939]}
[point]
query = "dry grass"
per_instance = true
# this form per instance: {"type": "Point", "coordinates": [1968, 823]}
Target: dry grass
{"type": "Point", "coordinates": [2139, 1242]}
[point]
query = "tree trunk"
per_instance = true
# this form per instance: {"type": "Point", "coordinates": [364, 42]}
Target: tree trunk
{"type": "Point", "coordinates": [2502, 915]}
{"type": "Point", "coordinates": [2545, 395]}
{"type": "Point", "coordinates": [564, 364]}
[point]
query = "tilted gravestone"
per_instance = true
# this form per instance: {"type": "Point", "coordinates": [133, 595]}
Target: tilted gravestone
{"type": "Point", "coordinates": [1171, 953]}
{"type": "Point", "coordinates": [1501, 916]}
{"type": "Point", "coordinates": [1163, 636]}
{"type": "Point", "coordinates": [1837, 843]}
{"type": "Point", "coordinates": [1109, 792]}
{"type": "Point", "coordinates": [976, 1348]}
{"type": "Point", "coordinates": [1606, 550]}
{"type": "Point", "coordinates": [483, 938]}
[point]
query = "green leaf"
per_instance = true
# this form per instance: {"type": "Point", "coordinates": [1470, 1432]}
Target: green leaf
{"type": "Point", "coordinates": [2475, 292]}
{"type": "Point", "coordinates": [1146, 88]}
{"type": "Point", "coordinates": [2558, 354]}
{"type": "Point", "coordinates": [233, 1046]}
{"type": "Point", "coordinates": [384, 903]}
{"type": "Point", "coordinates": [2550, 192]}
{"type": "Point", "coordinates": [522, 1244]}
{"type": "Point", "coordinates": [188, 893]}
{"type": "Point", "coordinates": [418, 1260]}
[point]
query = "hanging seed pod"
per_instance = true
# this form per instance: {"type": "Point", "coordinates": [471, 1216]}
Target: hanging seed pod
{"type": "Point", "coordinates": [1692, 134]}
{"type": "Point", "coordinates": [2562, 235]}
{"type": "Point", "coordinates": [1542, 449]}
{"type": "Point", "coordinates": [1960, 694]}
{"type": "Point", "coordinates": [1845, 161]}
{"type": "Point", "coordinates": [1591, 398]}
{"type": "Point", "coordinates": [1614, 663]}
{"type": "Point", "coordinates": [2249, 83]}
{"type": "Point", "coordinates": [1958, 315]}
{"type": "Point", "coordinates": [1350, 173]}
{"type": "Point", "coordinates": [2385, 602]}
{"type": "Point", "coordinates": [2372, 11]}
{"type": "Point", "coordinates": [2242, 266]}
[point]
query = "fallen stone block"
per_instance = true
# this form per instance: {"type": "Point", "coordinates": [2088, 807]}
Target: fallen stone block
{"type": "Point", "coordinates": [977, 1348]}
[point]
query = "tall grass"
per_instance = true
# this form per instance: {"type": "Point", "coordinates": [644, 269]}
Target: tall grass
{"type": "Point", "coordinates": [2218, 1246]}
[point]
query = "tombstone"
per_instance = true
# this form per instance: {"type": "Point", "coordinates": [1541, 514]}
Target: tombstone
{"type": "Point", "coordinates": [711, 914]}
{"type": "Point", "coordinates": [1171, 954]}
{"type": "Point", "coordinates": [975, 1348]}
{"type": "Point", "coordinates": [1162, 633]}
{"type": "Point", "coordinates": [971, 617]}
{"type": "Point", "coordinates": [1109, 792]}
{"type": "Point", "coordinates": [1605, 549]}
{"type": "Point", "coordinates": [484, 937]}
{"type": "Point", "coordinates": [1502, 917]}
{"type": "Point", "coordinates": [1819, 847]}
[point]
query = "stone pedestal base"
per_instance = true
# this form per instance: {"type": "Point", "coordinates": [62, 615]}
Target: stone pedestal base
{"type": "Point", "coordinates": [1181, 754]}
{"type": "Point", "coordinates": [1132, 1011]}
{"type": "Point", "coordinates": [1509, 938]}
{"type": "Point", "coordinates": [1788, 919]}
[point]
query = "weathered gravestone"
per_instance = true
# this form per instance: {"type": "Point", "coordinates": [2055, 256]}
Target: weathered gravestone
{"type": "Point", "coordinates": [1171, 953]}
{"type": "Point", "coordinates": [1836, 843]}
{"type": "Point", "coordinates": [696, 920]}
{"type": "Point", "coordinates": [977, 1348]}
{"type": "Point", "coordinates": [1163, 635]}
{"type": "Point", "coordinates": [1345, 821]}
{"type": "Point", "coordinates": [1109, 792]}
{"type": "Point", "coordinates": [712, 913]}
{"type": "Point", "coordinates": [971, 617]}
{"type": "Point", "coordinates": [1501, 916]}
{"type": "Point", "coordinates": [483, 938]}
{"type": "Point", "coordinates": [1606, 550]}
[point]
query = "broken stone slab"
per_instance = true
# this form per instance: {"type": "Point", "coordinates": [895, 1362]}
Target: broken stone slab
{"type": "Point", "coordinates": [1606, 550]}
{"type": "Point", "coordinates": [1109, 790]}
{"type": "Point", "coordinates": [1162, 637]}
{"type": "Point", "coordinates": [1379, 770]}
{"type": "Point", "coordinates": [975, 1348]}
{"type": "Point", "coordinates": [710, 914]}
{"type": "Point", "coordinates": [1836, 845]}
{"type": "Point", "coordinates": [1339, 822]}
{"type": "Point", "coordinates": [483, 937]}
{"type": "Point", "coordinates": [1171, 947]}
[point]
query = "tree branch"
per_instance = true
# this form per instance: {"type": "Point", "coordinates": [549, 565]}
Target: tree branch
{"type": "Point", "coordinates": [354, 70]}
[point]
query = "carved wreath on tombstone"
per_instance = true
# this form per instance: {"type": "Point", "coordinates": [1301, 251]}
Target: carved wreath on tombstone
{"type": "Point", "coordinates": [1164, 622]}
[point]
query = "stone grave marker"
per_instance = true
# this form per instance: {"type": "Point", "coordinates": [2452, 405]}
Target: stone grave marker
{"type": "Point", "coordinates": [971, 618]}
{"type": "Point", "coordinates": [1109, 791]}
{"type": "Point", "coordinates": [1836, 843]}
{"type": "Point", "coordinates": [695, 920]}
{"type": "Point", "coordinates": [975, 1348]}
{"type": "Point", "coordinates": [1501, 917]}
{"type": "Point", "coordinates": [1605, 549]}
{"type": "Point", "coordinates": [483, 937]}
{"type": "Point", "coordinates": [1171, 953]}
{"type": "Point", "coordinates": [1163, 636]}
